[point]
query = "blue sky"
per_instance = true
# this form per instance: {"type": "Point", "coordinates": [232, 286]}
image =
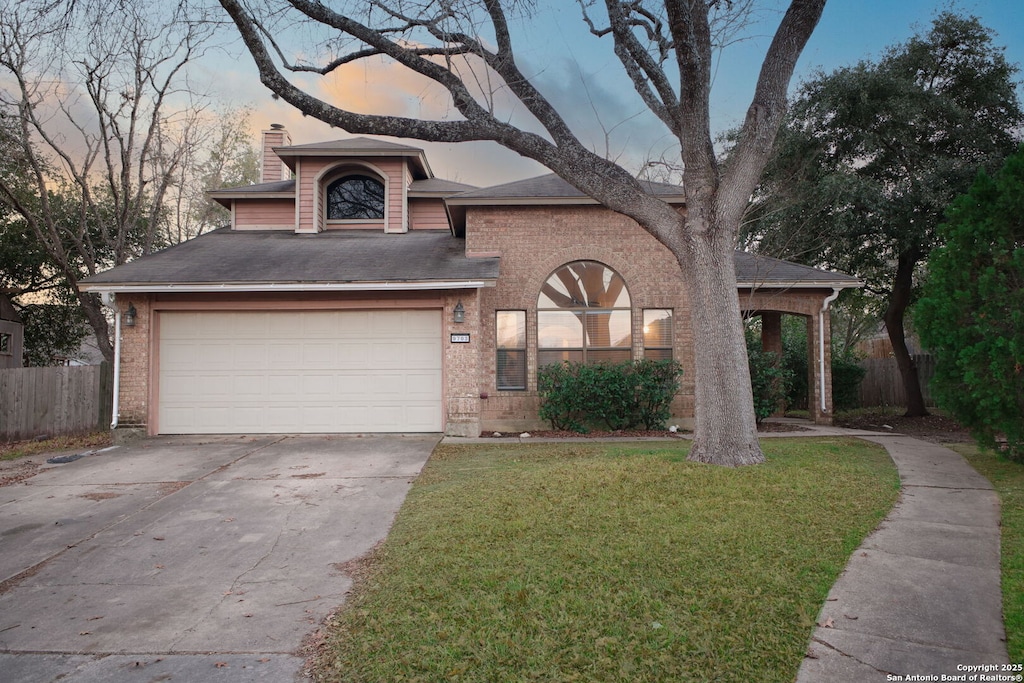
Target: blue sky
{"type": "Point", "coordinates": [583, 78]}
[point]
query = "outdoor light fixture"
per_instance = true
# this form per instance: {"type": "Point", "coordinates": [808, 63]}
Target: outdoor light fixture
{"type": "Point", "coordinates": [129, 316]}
{"type": "Point", "coordinates": [459, 313]}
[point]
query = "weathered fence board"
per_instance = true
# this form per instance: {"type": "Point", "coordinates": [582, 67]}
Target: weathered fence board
{"type": "Point", "coordinates": [883, 384]}
{"type": "Point", "coordinates": [52, 401]}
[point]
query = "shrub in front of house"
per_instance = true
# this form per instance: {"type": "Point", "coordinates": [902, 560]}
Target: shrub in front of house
{"type": "Point", "coordinates": [769, 380]}
{"type": "Point", "coordinates": [578, 397]}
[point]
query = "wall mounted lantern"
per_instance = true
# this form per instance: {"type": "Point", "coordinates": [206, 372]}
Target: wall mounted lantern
{"type": "Point", "coordinates": [129, 316]}
{"type": "Point", "coordinates": [459, 313]}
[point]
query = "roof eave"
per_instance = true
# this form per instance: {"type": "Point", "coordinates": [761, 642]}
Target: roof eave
{"type": "Point", "coordinates": [289, 154]}
{"type": "Point", "coordinates": [228, 194]}
{"type": "Point", "coordinates": [535, 201]}
{"type": "Point", "coordinates": [206, 287]}
{"type": "Point", "coordinates": [799, 284]}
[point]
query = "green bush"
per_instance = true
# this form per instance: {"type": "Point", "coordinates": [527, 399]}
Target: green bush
{"type": "Point", "coordinates": [794, 358]}
{"type": "Point", "coordinates": [971, 313]}
{"type": "Point", "coordinates": [847, 372]}
{"type": "Point", "coordinates": [770, 379]}
{"type": "Point", "coordinates": [847, 375]}
{"type": "Point", "coordinates": [577, 396]}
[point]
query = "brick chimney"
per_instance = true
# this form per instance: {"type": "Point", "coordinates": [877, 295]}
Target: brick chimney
{"type": "Point", "coordinates": [272, 169]}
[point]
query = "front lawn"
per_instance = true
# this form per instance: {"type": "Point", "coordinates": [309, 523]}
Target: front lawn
{"type": "Point", "coordinates": [609, 562]}
{"type": "Point", "coordinates": [1008, 479]}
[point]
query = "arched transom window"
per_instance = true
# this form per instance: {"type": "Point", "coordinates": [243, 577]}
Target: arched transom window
{"type": "Point", "coordinates": [355, 197]}
{"type": "Point", "coordinates": [583, 315]}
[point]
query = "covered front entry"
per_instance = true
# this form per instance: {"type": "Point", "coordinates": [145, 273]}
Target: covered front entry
{"type": "Point", "coordinates": [234, 372]}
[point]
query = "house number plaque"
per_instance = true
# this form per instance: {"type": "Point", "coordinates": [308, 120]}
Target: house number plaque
{"type": "Point", "coordinates": [460, 338]}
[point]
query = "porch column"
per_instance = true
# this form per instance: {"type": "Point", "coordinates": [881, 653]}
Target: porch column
{"type": "Point", "coordinates": [814, 376]}
{"type": "Point", "coordinates": [771, 340]}
{"type": "Point", "coordinates": [771, 331]}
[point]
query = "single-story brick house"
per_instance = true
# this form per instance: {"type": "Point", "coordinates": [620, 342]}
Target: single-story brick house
{"type": "Point", "coordinates": [355, 292]}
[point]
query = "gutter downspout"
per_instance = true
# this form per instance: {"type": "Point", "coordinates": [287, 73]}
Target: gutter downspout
{"type": "Point", "coordinates": [108, 300]}
{"type": "Point", "coordinates": [821, 344]}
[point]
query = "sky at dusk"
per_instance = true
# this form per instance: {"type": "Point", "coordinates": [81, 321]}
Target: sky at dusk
{"type": "Point", "coordinates": [584, 80]}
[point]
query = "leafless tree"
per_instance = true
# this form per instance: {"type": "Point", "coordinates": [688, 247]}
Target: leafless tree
{"type": "Point", "coordinates": [219, 153]}
{"type": "Point", "coordinates": [666, 49]}
{"type": "Point", "coordinates": [103, 118]}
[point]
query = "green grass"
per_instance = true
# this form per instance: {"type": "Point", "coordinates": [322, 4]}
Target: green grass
{"type": "Point", "coordinates": [602, 562]}
{"type": "Point", "coordinates": [19, 449]}
{"type": "Point", "coordinates": [1008, 479]}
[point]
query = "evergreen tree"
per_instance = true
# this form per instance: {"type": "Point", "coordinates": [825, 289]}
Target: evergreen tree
{"type": "Point", "coordinates": [971, 314]}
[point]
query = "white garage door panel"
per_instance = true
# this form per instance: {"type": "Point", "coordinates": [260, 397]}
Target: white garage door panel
{"type": "Point", "coordinates": [316, 371]}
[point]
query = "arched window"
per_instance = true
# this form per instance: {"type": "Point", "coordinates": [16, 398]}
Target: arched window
{"type": "Point", "coordinates": [583, 315]}
{"type": "Point", "coordinates": [355, 197]}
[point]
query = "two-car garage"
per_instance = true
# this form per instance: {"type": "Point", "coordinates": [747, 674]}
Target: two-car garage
{"type": "Point", "coordinates": [287, 371]}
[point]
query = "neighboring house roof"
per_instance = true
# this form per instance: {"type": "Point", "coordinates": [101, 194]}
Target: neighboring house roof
{"type": "Point", "coordinates": [550, 189]}
{"type": "Point", "coordinates": [7, 310]}
{"type": "Point", "coordinates": [227, 260]}
{"type": "Point", "coordinates": [754, 270]}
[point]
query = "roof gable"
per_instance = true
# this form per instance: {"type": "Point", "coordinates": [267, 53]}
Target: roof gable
{"type": "Point", "coordinates": [358, 147]}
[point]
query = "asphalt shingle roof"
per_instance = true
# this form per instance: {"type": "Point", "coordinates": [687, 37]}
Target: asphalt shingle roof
{"type": "Point", "coordinates": [551, 186]}
{"type": "Point", "coordinates": [349, 146]}
{"type": "Point", "coordinates": [753, 269]}
{"type": "Point", "coordinates": [335, 256]}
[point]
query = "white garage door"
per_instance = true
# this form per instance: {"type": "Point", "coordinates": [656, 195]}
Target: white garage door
{"type": "Point", "coordinates": [304, 371]}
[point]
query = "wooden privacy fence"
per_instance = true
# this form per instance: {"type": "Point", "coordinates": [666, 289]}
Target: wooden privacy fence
{"type": "Point", "coordinates": [53, 401]}
{"type": "Point", "coordinates": [883, 384]}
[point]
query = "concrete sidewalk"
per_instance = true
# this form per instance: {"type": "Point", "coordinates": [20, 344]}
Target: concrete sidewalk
{"type": "Point", "coordinates": [921, 597]}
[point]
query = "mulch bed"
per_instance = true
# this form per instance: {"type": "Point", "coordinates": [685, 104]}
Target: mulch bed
{"type": "Point", "coordinates": [775, 427]}
{"type": "Point", "coordinates": [934, 428]}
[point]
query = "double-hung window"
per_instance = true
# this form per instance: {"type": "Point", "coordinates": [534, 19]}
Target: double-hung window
{"type": "Point", "coordinates": [658, 333]}
{"type": "Point", "coordinates": [510, 335]}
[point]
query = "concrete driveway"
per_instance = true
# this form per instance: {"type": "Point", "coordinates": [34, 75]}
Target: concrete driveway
{"type": "Point", "coordinates": [191, 558]}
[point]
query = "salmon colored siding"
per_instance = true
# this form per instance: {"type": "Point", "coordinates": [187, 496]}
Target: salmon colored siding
{"type": "Point", "coordinates": [265, 214]}
{"type": "Point", "coordinates": [395, 217]}
{"type": "Point", "coordinates": [315, 174]}
{"type": "Point", "coordinates": [428, 214]}
{"type": "Point", "coordinates": [306, 191]}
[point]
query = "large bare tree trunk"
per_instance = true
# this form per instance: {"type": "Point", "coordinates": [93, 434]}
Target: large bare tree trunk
{"type": "Point", "coordinates": [895, 314]}
{"type": "Point", "coordinates": [725, 428]}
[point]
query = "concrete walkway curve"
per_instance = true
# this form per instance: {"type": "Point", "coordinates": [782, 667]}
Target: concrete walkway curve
{"type": "Point", "coordinates": [921, 597]}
